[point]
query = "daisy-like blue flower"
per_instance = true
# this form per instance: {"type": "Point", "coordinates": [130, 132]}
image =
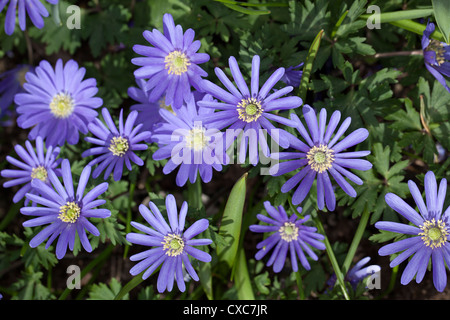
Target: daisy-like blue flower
{"type": "Point", "coordinates": [436, 55]}
{"type": "Point", "coordinates": [115, 147]}
{"type": "Point", "coordinates": [193, 147]}
{"type": "Point", "coordinates": [357, 274]}
{"type": "Point", "coordinates": [172, 245]}
{"type": "Point", "coordinates": [289, 234]}
{"type": "Point", "coordinates": [65, 210]}
{"type": "Point", "coordinates": [58, 103]}
{"type": "Point", "coordinates": [322, 154]}
{"type": "Point", "coordinates": [171, 65]}
{"type": "Point", "coordinates": [428, 234]}
{"type": "Point", "coordinates": [34, 165]}
{"type": "Point", "coordinates": [249, 110]}
{"type": "Point", "coordinates": [293, 77]}
{"type": "Point", "coordinates": [11, 83]}
{"type": "Point", "coordinates": [35, 9]}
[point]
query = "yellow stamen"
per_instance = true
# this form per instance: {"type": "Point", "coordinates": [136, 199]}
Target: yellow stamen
{"type": "Point", "coordinates": [118, 146]}
{"type": "Point", "coordinates": [173, 244]}
{"type": "Point", "coordinates": [434, 233]}
{"type": "Point", "coordinates": [177, 62]}
{"type": "Point", "coordinates": [62, 105]}
{"type": "Point", "coordinates": [196, 139]}
{"type": "Point", "coordinates": [39, 173]}
{"type": "Point", "coordinates": [70, 212]}
{"type": "Point", "coordinates": [320, 158]}
{"type": "Point", "coordinates": [288, 232]}
{"type": "Point", "coordinates": [249, 109]}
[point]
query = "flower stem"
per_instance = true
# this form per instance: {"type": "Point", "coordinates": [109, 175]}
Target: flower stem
{"type": "Point", "coordinates": [356, 240]}
{"type": "Point", "coordinates": [332, 257]}
{"type": "Point", "coordinates": [129, 215]}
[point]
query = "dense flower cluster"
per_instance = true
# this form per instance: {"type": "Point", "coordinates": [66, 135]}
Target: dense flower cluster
{"type": "Point", "coordinates": [194, 124]}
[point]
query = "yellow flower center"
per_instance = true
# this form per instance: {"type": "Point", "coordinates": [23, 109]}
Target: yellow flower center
{"type": "Point", "coordinates": [173, 244]}
{"type": "Point", "coordinates": [320, 158]}
{"type": "Point", "coordinates": [196, 139]}
{"type": "Point", "coordinates": [177, 62]}
{"type": "Point", "coordinates": [288, 232]}
{"type": "Point", "coordinates": [249, 109]}
{"type": "Point", "coordinates": [70, 212]}
{"type": "Point", "coordinates": [21, 75]}
{"type": "Point", "coordinates": [39, 173]}
{"type": "Point", "coordinates": [438, 48]}
{"type": "Point", "coordinates": [434, 233]}
{"type": "Point", "coordinates": [62, 105]}
{"type": "Point", "coordinates": [163, 105]}
{"type": "Point", "coordinates": [119, 146]}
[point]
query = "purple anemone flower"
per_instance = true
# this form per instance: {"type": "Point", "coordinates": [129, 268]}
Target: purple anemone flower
{"type": "Point", "coordinates": [322, 155]}
{"type": "Point", "coordinates": [65, 210]}
{"type": "Point", "coordinates": [11, 83]}
{"type": "Point", "coordinates": [429, 232]}
{"type": "Point", "coordinates": [34, 165]}
{"type": "Point", "coordinates": [357, 274]}
{"type": "Point", "coordinates": [293, 77]}
{"type": "Point", "coordinates": [148, 111]}
{"type": "Point", "coordinates": [58, 103]}
{"type": "Point", "coordinates": [289, 234]}
{"type": "Point", "coordinates": [194, 147]}
{"type": "Point", "coordinates": [35, 9]}
{"type": "Point", "coordinates": [172, 245]}
{"type": "Point", "coordinates": [436, 55]}
{"type": "Point", "coordinates": [115, 147]}
{"type": "Point", "coordinates": [249, 111]}
{"type": "Point", "coordinates": [171, 65]}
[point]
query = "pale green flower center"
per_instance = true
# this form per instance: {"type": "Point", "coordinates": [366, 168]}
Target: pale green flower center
{"type": "Point", "coordinates": [62, 105]}
{"type": "Point", "coordinates": [173, 244]}
{"type": "Point", "coordinates": [434, 233]}
{"type": "Point", "coordinates": [119, 146]}
{"type": "Point", "coordinates": [249, 109]}
{"type": "Point", "coordinates": [288, 232]}
{"type": "Point", "coordinates": [177, 62]}
{"type": "Point", "coordinates": [438, 48]}
{"type": "Point", "coordinates": [70, 212]}
{"type": "Point", "coordinates": [320, 158]}
{"type": "Point", "coordinates": [196, 139]}
{"type": "Point", "coordinates": [39, 173]}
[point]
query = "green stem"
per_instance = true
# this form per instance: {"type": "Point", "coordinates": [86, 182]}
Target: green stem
{"type": "Point", "coordinates": [301, 292]}
{"type": "Point", "coordinates": [332, 257]}
{"type": "Point", "coordinates": [103, 256]}
{"type": "Point", "coordinates": [129, 215]}
{"type": "Point", "coordinates": [133, 283]}
{"type": "Point", "coordinates": [356, 240]}
{"type": "Point", "coordinates": [12, 212]}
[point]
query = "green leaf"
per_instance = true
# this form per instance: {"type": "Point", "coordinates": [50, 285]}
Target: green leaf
{"type": "Point", "coordinates": [442, 14]}
{"type": "Point", "coordinates": [401, 15]}
{"type": "Point", "coordinates": [102, 291]}
{"type": "Point", "coordinates": [230, 227]}
{"type": "Point", "coordinates": [242, 278]}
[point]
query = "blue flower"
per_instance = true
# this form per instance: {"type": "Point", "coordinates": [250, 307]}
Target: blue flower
{"type": "Point", "coordinates": [34, 165]}
{"type": "Point", "coordinates": [357, 274]}
{"type": "Point", "coordinates": [192, 146]}
{"type": "Point", "coordinates": [115, 147]}
{"type": "Point", "coordinates": [322, 154]}
{"type": "Point", "coordinates": [172, 245]}
{"type": "Point", "coordinates": [11, 83]}
{"type": "Point", "coordinates": [65, 210]}
{"type": "Point", "coordinates": [35, 9]}
{"type": "Point", "coordinates": [436, 55]}
{"type": "Point", "coordinates": [250, 110]}
{"type": "Point", "coordinates": [171, 65]}
{"type": "Point", "coordinates": [428, 235]}
{"type": "Point", "coordinates": [293, 77]}
{"type": "Point", "coordinates": [58, 103]}
{"type": "Point", "coordinates": [289, 234]}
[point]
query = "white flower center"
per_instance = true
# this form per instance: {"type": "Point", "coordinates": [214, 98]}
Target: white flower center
{"type": "Point", "coordinates": [320, 158]}
{"type": "Point", "coordinates": [70, 212]}
{"type": "Point", "coordinates": [434, 233]}
{"type": "Point", "coordinates": [173, 244]}
{"type": "Point", "coordinates": [249, 109]}
{"type": "Point", "coordinates": [119, 146]}
{"type": "Point", "coordinates": [177, 62]}
{"type": "Point", "coordinates": [62, 105]}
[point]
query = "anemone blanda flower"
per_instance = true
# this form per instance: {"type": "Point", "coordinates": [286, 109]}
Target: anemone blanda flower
{"type": "Point", "coordinates": [11, 83]}
{"type": "Point", "coordinates": [428, 236]}
{"type": "Point", "coordinates": [293, 77]}
{"type": "Point", "coordinates": [34, 165]}
{"type": "Point", "coordinates": [171, 65]}
{"type": "Point", "coordinates": [115, 147]}
{"type": "Point", "coordinates": [322, 155]}
{"type": "Point", "coordinates": [65, 210]}
{"type": "Point", "coordinates": [172, 245]}
{"type": "Point", "coordinates": [35, 9]}
{"type": "Point", "coordinates": [357, 274]}
{"type": "Point", "coordinates": [58, 103]}
{"type": "Point", "coordinates": [289, 234]}
{"type": "Point", "coordinates": [249, 110]}
{"type": "Point", "coordinates": [193, 147]}
{"type": "Point", "coordinates": [436, 55]}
